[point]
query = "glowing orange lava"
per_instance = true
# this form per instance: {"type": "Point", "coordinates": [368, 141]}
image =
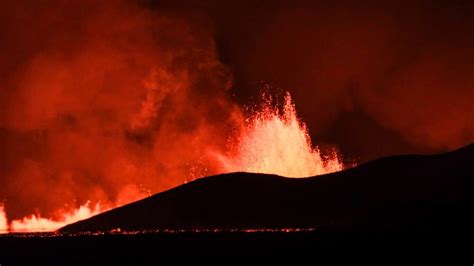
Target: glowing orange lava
{"type": "Point", "coordinates": [278, 143]}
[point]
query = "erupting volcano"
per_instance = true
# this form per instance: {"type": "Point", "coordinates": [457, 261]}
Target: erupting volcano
{"type": "Point", "coordinates": [202, 124]}
{"type": "Point", "coordinates": [272, 140]}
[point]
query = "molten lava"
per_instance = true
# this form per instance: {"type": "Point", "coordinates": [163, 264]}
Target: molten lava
{"type": "Point", "coordinates": [277, 143]}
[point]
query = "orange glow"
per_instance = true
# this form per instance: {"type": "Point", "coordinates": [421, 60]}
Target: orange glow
{"type": "Point", "coordinates": [278, 143]}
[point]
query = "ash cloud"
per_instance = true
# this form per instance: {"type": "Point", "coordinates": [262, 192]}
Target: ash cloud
{"type": "Point", "coordinates": [105, 101]}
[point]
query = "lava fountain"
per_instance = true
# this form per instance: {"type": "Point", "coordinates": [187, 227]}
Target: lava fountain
{"type": "Point", "coordinates": [274, 142]}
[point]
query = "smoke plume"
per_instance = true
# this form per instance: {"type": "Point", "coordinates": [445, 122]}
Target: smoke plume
{"type": "Point", "coordinates": [105, 101]}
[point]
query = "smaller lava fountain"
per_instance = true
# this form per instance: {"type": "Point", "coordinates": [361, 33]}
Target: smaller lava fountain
{"type": "Point", "coordinates": [36, 223]}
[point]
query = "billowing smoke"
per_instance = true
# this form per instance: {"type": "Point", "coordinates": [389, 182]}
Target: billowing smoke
{"type": "Point", "coordinates": [104, 100]}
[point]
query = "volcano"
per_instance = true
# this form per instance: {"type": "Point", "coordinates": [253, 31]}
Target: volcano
{"type": "Point", "coordinates": [415, 192]}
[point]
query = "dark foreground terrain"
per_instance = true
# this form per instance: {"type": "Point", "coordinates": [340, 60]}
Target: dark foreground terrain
{"type": "Point", "coordinates": [337, 245]}
{"type": "Point", "coordinates": [415, 204]}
